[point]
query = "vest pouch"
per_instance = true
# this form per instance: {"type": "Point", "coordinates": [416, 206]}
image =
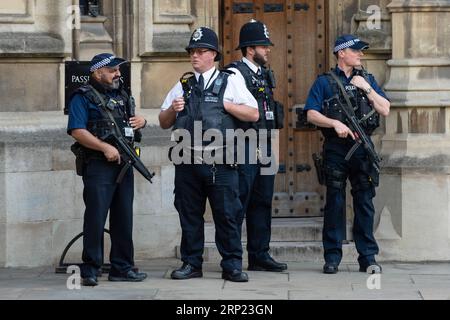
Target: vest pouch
{"type": "Point", "coordinates": [99, 128]}
{"type": "Point", "coordinates": [372, 122]}
{"type": "Point", "coordinates": [184, 122]}
{"type": "Point", "coordinates": [212, 111]}
{"type": "Point", "coordinates": [332, 110]}
{"type": "Point", "coordinates": [211, 123]}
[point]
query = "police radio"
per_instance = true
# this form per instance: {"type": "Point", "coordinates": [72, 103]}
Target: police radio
{"type": "Point", "coordinates": [187, 90]}
{"type": "Point", "coordinates": [132, 112]}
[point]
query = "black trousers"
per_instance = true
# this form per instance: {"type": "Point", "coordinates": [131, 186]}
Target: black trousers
{"type": "Point", "coordinates": [363, 191]}
{"type": "Point", "coordinates": [256, 192]}
{"type": "Point", "coordinates": [102, 194]}
{"type": "Point", "coordinates": [194, 183]}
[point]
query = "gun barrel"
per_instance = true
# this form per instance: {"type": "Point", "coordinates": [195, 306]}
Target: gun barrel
{"type": "Point", "coordinates": [128, 154]}
{"type": "Point", "coordinates": [356, 127]}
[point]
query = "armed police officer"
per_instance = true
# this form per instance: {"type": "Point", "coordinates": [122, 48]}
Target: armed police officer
{"type": "Point", "coordinates": [96, 109]}
{"type": "Point", "coordinates": [256, 187]}
{"type": "Point", "coordinates": [214, 99]}
{"type": "Point", "coordinates": [348, 90]}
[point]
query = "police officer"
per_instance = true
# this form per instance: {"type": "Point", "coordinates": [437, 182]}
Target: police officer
{"type": "Point", "coordinates": [213, 99]}
{"type": "Point", "coordinates": [89, 120]}
{"type": "Point", "coordinates": [323, 110]}
{"type": "Point", "coordinates": [256, 188]}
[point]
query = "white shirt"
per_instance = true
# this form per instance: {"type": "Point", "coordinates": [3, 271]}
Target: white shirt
{"type": "Point", "coordinates": [236, 91]}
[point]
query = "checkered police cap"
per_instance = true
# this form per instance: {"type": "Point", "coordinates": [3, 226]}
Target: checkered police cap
{"type": "Point", "coordinates": [105, 60]}
{"type": "Point", "coordinates": [349, 41]}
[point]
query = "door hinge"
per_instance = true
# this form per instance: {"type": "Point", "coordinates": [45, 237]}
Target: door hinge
{"type": "Point", "coordinates": [301, 6]}
{"type": "Point", "coordinates": [273, 7]}
{"type": "Point", "coordinates": [243, 7]}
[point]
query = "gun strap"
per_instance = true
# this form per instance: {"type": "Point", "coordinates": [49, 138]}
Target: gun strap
{"type": "Point", "coordinates": [367, 116]}
{"type": "Point", "coordinates": [351, 111]}
{"type": "Point", "coordinates": [344, 93]}
{"type": "Point", "coordinates": [108, 113]}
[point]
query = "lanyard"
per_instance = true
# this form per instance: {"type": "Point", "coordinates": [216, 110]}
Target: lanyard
{"type": "Point", "coordinates": [209, 80]}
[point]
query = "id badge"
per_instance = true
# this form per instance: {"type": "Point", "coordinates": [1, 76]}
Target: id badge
{"type": "Point", "coordinates": [269, 115]}
{"type": "Point", "coordinates": [129, 132]}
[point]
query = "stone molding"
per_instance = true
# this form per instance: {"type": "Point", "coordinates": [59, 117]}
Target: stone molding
{"type": "Point", "coordinates": [26, 17]}
{"type": "Point", "coordinates": [164, 28]}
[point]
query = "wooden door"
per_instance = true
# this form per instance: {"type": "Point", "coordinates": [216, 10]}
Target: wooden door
{"type": "Point", "coordinates": [297, 28]}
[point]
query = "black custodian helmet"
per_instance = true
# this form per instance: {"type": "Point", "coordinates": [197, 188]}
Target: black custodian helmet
{"type": "Point", "coordinates": [205, 38]}
{"type": "Point", "coordinates": [254, 33]}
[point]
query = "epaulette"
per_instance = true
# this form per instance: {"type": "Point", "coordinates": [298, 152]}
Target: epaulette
{"type": "Point", "coordinates": [84, 88]}
{"type": "Point", "coordinates": [233, 64]}
{"type": "Point", "coordinates": [228, 71]}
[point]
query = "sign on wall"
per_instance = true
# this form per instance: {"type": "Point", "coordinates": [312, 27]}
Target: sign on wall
{"type": "Point", "coordinates": [77, 74]}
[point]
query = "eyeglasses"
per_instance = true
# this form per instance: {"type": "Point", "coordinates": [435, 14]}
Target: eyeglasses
{"type": "Point", "coordinates": [198, 51]}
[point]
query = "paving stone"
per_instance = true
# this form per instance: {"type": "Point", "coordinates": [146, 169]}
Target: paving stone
{"type": "Point", "coordinates": [435, 293]}
{"type": "Point", "coordinates": [303, 281]}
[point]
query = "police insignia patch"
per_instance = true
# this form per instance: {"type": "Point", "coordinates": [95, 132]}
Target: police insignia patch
{"type": "Point", "coordinates": [266, 32]}
{"type": "Point", "coordinates": [198, 34]}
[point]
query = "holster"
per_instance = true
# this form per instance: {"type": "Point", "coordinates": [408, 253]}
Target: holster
{"type": "Point", "coordinates": [80, 159]}
{"type": "Point", "coordinates": [320, 169]}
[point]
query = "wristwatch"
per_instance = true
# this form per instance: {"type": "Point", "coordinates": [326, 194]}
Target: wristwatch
{"type": "Point", "coordinates": [368, 90]}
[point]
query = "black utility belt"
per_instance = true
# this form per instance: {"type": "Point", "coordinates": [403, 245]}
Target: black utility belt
{"type": "Point", "coordinates": [209, 165]}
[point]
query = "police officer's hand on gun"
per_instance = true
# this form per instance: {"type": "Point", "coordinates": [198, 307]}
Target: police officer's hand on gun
{"type": "Point", "coordinates": [111, 153]}
{"type": "Point", "coordinates": [342, 130]}
{"type": "Point", "coordinates": [178, 104]}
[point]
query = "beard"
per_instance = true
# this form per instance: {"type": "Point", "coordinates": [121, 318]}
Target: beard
{"type": "Point", "coordinates": [259, 59]}
{"type": "Point", "coordinates": [113, 86]}
{"type": "Point", "coordinates": [116, 84]}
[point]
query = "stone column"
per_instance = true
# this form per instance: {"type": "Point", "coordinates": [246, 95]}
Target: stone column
{"type": "Point", "coordinates": [94, 36]}
{"type": "Point", "coordinates": [414, 195]}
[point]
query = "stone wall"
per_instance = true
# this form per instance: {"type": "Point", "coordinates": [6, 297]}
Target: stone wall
{"type": "Point", "coordinates": [41, 196]}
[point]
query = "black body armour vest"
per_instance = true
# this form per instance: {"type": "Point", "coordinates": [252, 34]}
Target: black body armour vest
{"type": "Point", "coordinates": [364, 111]}
{"type": "Point", "coordinates": [205, 106]}
{"type": "Point", "coordinates": [120, 108]}
{"type": "Point", "coordinates": [261, 87]}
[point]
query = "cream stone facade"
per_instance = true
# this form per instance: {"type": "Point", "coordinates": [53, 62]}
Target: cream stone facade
{"type": "Point", "coordinates": [41, 206]}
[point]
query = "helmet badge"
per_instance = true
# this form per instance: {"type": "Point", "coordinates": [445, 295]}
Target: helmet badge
{"type": "Point", "coordinates": [266, 32]}
{"type": "Point", "coordinates": [198, 34]}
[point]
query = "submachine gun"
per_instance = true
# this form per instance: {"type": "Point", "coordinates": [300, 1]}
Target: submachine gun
{"type": "Point", "coordinates": [128, 154]}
